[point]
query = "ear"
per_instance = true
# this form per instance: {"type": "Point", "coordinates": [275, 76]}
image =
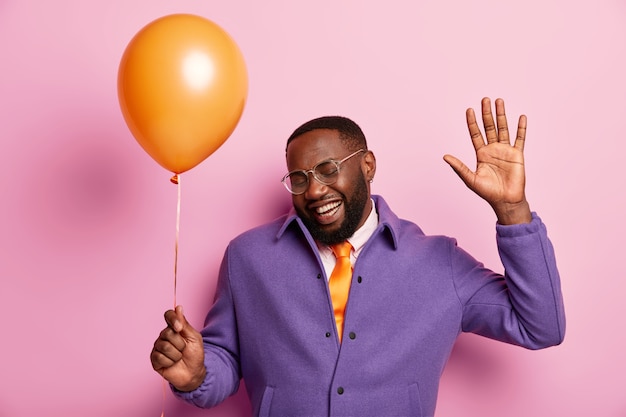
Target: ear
{"type": "Point", "coordinates": [368, 165]}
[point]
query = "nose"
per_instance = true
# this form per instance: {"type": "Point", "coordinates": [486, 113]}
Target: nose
{"type": "Point", "coordinates": [315, 189]}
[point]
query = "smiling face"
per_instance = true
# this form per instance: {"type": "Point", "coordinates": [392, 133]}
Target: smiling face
{"type": "Point", "coordinates": [332, 213]}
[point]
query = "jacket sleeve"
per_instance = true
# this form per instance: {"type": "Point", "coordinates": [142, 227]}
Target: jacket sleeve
{"type": "Point", "coordinates": [523, 307]}
{"type": "Point", "coordinates": [221, 348]}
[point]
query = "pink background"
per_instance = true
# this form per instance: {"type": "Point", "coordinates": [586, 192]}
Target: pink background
{"type": "Point", "coordinates": [87, 218]}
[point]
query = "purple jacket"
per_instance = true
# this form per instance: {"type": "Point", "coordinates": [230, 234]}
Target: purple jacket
{"type": "Point", "coordinates": [411, 296]}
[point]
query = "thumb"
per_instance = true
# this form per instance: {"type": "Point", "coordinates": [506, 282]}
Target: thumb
{"type": "Point", "coordinates": [460, 169]}
{"type": "Point", "coordinates": [178, 322]}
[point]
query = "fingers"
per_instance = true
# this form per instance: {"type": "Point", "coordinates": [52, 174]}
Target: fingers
{"type": "Point", "coordinates": [503, 128]}
{"type": "Point", "coordinates": [520, 139]}
{"type": "Point", "coordinates": [164, 355]}
{"type": "Point", "coordinates": [495, 130]}
{"type": "Point", "coordinates": [474, 130]}
{"type": "Point", "coordinates": [167, 350]}
{"type": "Point", "coordinates": [172, 341]}
{"type": "Point", "coordinates": [490, 127]}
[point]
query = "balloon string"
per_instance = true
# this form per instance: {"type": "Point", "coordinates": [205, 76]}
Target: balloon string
{"type": "Point", "coordinates": [176, 180]}
{"type": "Point", "coordinates": [164, 397]}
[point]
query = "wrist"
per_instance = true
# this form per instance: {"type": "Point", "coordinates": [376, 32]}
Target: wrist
{"type": "Point", "coordinates": [517, 213]}
{"type": "Point", "coordinates": [194, 383]}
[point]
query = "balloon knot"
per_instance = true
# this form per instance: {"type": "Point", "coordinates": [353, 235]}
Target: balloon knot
{"type": "Point", "coordinates": [174, 179]}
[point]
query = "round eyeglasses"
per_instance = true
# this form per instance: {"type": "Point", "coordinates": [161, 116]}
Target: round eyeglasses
{"type": "Point", "coordinates": [326, 172]}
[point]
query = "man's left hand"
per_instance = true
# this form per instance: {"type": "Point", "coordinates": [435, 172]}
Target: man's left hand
{"type": "Point", "coordinates": [499, 178]}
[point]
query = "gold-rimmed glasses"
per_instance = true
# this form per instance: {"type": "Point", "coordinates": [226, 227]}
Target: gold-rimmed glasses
{"type": "Point", "coordinates": [325, 172]}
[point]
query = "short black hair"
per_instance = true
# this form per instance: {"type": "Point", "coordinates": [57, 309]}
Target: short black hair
{"type": "Point", "coordinates": [349, 132]}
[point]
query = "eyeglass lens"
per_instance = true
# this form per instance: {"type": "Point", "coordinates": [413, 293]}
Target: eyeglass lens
{"type": "Point", "coordinates": [326, 173]}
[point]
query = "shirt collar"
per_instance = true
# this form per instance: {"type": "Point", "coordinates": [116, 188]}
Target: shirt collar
{"type": "Point", "coordinates": [363, 233]}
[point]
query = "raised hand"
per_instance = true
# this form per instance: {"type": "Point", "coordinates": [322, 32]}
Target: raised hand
{"type": "Point", "coordinates": [500, 177]}
{"type": "Point", "coordinates": [178, 353]}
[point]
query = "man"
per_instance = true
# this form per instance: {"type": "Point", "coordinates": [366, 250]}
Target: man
{"type": "Point", "coordinates": [278, 323]}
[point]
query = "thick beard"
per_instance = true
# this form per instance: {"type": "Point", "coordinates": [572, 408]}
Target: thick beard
{"type": "Point", "coordinates": [354, 212]}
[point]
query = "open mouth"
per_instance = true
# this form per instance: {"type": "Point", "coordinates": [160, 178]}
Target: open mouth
{"type": "Point", "coordinates": [328, 212]}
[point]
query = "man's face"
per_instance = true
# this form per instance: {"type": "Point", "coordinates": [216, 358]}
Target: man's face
{"type": "Point", "coordinates": [332, 213]}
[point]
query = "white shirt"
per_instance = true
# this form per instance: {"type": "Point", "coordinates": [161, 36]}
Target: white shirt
{"type": "Point", "coordinates": [357, 240]}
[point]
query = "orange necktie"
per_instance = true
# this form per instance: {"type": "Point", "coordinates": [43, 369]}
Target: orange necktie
{"type": "Point", "coordinates": [339, 283]}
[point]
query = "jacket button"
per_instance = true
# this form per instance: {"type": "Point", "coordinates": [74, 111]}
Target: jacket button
{"type": "Point", "coordinates": [319, 276]}
{"type": "Point", "coordinates": [359, 279]}
{"type": "Point", "coordinates": [352, 335]}
{"type": "Point", "coordinates": [327, 334]}
{"type": "Point", "coordinates": [340, 390]}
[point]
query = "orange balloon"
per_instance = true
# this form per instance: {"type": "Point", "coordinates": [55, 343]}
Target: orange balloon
{"type": "Point", "coordinates": [182, 86]}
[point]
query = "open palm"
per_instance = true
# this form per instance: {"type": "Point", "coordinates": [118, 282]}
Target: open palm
{"type": "Point", "coordinates": [499, 177]}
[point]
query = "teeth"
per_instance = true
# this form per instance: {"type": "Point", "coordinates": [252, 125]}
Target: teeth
{"type": "Point", "coordinates": [328, 207]}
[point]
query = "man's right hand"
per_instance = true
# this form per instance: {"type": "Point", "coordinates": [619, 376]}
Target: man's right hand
{"type": "Point", "coordinates": [178, 353]}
